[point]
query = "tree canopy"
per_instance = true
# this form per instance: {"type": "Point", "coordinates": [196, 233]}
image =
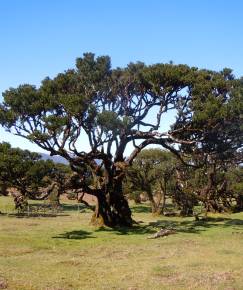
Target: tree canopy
{"type": "Point", "coordinates": [152, 173]}
{"type": "Point", "coordinates": [23, 169]}
{"type": "Point", "coordinates": [28, 173]}
{"type": "Point", "coordinates": [112, 108]}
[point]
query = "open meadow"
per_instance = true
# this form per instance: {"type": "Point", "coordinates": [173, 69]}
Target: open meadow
{"type": "Point", "coordinates": [65, 252]}
{"type": "Point", "coordinates": [121, 145]}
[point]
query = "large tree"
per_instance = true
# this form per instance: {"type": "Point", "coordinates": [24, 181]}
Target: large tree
{"type": "Point", "coordinates": [113, 108]}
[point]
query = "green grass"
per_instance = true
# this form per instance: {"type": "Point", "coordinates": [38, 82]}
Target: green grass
{"type": "Point", "coordinates": [65, 252]}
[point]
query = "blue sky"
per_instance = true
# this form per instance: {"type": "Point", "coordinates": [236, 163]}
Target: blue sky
{"type": "Point", "coordinates": [40, 38]}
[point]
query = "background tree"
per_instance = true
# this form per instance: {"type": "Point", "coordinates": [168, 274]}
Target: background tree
{"type": "Point", "coordinates": [112, 108]}
{"type": "Point", "coordinates": [210, 183]}
{"type": "Point", "coordinates": [3, 188]}
{"type": "Point", "coordinates": [27, 173]}
{"type": "Point", "coordinates": [235, 183]}
{"type": "Point", "coordinates": [152, 172]}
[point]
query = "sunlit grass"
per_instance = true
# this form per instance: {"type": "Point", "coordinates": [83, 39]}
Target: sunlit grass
{"type": "Point", "coordinates": [65, 252]}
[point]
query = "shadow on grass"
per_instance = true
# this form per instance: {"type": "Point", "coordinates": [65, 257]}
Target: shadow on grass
{"type": "Point", "coordinates": [73, 207]}
{"type": "Point", "coordinates": [135, 230]}
{"type": "Point", "coordinates": [75, 235]}
{"type": "Point", "coordinates": [146, 208]}
{"type": "Point", "coordinates": [181, 226]}
{"type": "Point", "coordinates": [192, 226]}
{"type": "Point", "coordinates": [35, 215]}
{"type": "Point", "coordinates": [69, 207]}
{"type": "Point", "coordinates": [141, 209]}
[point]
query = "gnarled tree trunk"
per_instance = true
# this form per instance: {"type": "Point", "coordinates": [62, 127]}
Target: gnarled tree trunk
{"type": "Point", "coordinates": [105, 183]}
{"type": "Point", "coordinates": [112, 208]}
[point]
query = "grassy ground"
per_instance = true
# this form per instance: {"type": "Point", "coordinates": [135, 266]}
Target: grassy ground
{"type": "Point", "coordinates": [65, 252]}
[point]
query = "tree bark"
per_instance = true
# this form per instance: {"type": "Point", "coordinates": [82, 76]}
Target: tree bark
{"type": "Point", "coordinates": [157, 205]}
{"type": "Point", "coordinates": [152, 201]}
{"type": "Point", "coordinates": [181, 198]}
{"type": "Point", "coordinates": [163, 189]}
{"type": "Point", "coordinates": [162, 202]}
{"type": "Point", "coordinates": [3, 189]}
{"type": "Point", "coordinates": [239, 202]}
{"type": "Point", "coordinates": [112, 208]}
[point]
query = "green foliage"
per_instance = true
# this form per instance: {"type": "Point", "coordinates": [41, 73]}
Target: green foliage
{"type": "Point", "coordinates": [150, 170]}
{"type": "Point", "coordinates": [15, 165]}
{"type": "Point", "coordinates": [25, 170]}
{"type": "Point", "coordinates": [235, 180]}
{"type": "Point", "coordinates": [106, 103]}
{"type": "Point", "coordinates": [235, 176]}
{"type": "Point", "coordinates": [112, 108]}
{"type": "Point", "coordinates": [109, 121]}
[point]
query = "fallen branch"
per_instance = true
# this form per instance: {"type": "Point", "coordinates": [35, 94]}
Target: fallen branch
{"type": "Point", "coordinates": [162, 233]}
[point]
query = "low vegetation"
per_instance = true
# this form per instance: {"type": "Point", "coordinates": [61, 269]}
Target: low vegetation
{"type": "Point", "coordinates": [63, 251]}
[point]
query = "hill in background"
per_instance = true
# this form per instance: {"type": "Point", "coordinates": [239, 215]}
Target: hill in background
{"type": "Point", "coordinates": [56, 159]}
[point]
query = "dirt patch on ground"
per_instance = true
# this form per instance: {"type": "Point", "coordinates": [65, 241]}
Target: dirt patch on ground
{"type": "Point", "coordinates": [3, 283]}
{"type": "Point", "coordinates": [90, 199]}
